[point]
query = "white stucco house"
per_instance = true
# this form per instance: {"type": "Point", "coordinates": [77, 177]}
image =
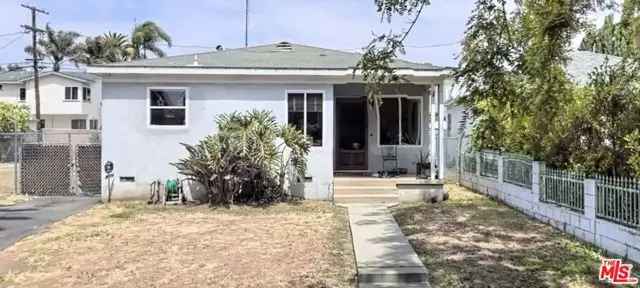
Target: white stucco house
{"type": "Point", "coordinates": [68, 100]}
{"type": "Point", "coordinates": [150, 106]}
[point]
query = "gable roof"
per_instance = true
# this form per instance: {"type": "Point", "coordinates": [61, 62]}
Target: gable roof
{"type": "Point", "coordinates": [18, 77]}
{"type": "Point", "coordinates": [282, 55]}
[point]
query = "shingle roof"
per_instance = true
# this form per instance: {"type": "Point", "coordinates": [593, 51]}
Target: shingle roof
{"type": "Point", "coordinates": [19, 76]}
{"type": "Point", "coordinates": [582, 63]}
{"type": "Point", "coordinates": [281, 55]}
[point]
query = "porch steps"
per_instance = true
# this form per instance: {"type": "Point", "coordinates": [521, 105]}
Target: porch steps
{"type": "Point", "coordinates": [365, 190]}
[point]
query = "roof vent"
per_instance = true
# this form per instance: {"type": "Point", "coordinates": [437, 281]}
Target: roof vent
{"type": "Point", "coordinates": [283, 46]}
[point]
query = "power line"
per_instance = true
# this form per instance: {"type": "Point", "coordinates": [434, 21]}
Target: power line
{"type": "Point", "coordinates": [14, 33]}
{"type": "Point", "coordinates": [435, 45]}
{"type": "Point", "coordinates": [11, 42]}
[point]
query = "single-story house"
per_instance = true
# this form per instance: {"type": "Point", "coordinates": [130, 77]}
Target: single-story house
{"type": "Point", "coordinates": [68, 100]}
{"type": "Point", "coordinates": [150, 106]}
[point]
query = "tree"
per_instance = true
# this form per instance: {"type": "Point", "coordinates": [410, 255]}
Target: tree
{"type": "Point", "coordinates": [57, 46]}
{"type": "Point", "coordinates": [247, 160]}
{"type": "Point", "coordinates": [611, 39]}
{"type": "Point", "coordinates": [108, 48]}
{"type": "Point", "coordinates": [145, 38]}
{"type": "Point", "coordinates": [14, 117]}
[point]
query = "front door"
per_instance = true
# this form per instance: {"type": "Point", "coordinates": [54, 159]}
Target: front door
{"type": "Point", "coordinates": [351, 134]}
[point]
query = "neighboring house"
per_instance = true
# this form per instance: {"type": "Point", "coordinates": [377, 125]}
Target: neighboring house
{"type": "Point", "coordinates": [578, 68]}
{"type": "Point", "coordinates": [68, 100]}
{"type": "Point", "coordinates": [151, 106]}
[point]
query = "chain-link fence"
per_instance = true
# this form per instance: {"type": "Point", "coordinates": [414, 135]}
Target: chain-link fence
{"type": "Point", "coordinates": [50, 163]}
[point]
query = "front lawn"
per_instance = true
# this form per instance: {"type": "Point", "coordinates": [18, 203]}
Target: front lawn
{"type": "Point", "coordinates": [133, 245]}
{"type": "Point", "coordinates": [472, 241]}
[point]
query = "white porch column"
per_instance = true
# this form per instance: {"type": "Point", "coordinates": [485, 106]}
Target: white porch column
{"type": "Point", "coordinates": [441, 131]}
{"type": "Point", "coordinates": [432, 124]}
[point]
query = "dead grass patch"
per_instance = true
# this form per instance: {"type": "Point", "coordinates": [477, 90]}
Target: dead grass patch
{"type": "Point", "coordinates": [134, 245]}
{"type": "Point", "coordinates": [472, 241]}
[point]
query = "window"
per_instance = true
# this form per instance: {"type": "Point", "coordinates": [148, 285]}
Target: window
{"type": "Point", "coordinates": [42, 124]}
{"type": "Point", "coordinates": [93, 124]}
{"type": "Point", "coordinates": [167, 107]}
{"type": "Point", "coordinates": [78, 124]}
{"type": "Point", "coordinates": [449, 125]}
{"type": "Point", "coordinates": [400, 121]}
{"type": "Point", "coordinates": [23, 94]}
{"type": "Point", "coordinates": [70, 93]}
{"type": "Point", "coordinates": [86, 94]}
{"type": "Point", "coordinates": [0, 87]}
{"type": "Point", "coordinates": [305, 113]}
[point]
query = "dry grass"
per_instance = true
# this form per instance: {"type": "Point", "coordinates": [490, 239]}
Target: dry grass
{"type": "Point", "coordinates": [472, 241]}
{"type": "Point", "coordinates": [133, 245]}
{"type": "Point", "coordinates": [7, 183]}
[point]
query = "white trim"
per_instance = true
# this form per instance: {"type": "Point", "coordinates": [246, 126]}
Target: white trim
{"type": "Point", "coordinates": [305, 92]}
{"type": "Point", "coordinates": [421, 128]}
{"type": "Point", "coordinates": [250, 71]}
{"type": "Point", "coordinates": [50, 73]}
{"type": "Point", "coordinates": [185, 107]}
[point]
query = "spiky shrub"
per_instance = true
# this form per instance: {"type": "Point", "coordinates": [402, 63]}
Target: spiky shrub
{"type": "Point", "coordinates": [247, 160]}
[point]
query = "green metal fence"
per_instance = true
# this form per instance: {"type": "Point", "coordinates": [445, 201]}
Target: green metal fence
{"type": "Point", "coordinates": [562, 188]}
{"type": "Point", "coordinates": [469, 163]}
{"type": "Point", "coordinates": [618, 200]}
{"type": "Point", "coordinates": [516, 169]}
{"type": "Point", "coordinates": [489, 164]}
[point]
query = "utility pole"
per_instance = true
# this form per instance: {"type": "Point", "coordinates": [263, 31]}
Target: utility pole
{"type": "Point", "coordinates": [246, 23]}
{"type": "Point", "coordinates": [34, 44]}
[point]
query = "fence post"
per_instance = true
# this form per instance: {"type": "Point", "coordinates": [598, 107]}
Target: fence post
{"type": "Point", "coordinates": [590, 206]}
{"type": "Point", "coordinates": [500, 169]}
{"type": "Point", "coordinates": [478, 164]}
{"type": "Point", "coordinates": [536, 170]}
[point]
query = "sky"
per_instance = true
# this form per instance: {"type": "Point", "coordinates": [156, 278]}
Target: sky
{"type": "Point", "coordinates": [339, 24]}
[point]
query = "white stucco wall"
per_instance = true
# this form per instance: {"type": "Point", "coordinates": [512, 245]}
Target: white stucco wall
{"type": "Point", "coordinates": [10, 92]}
{"type": "Point", "coordinates": [145, 153]}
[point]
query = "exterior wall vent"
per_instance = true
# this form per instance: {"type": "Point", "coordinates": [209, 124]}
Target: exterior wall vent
{"type": "Point", "coordinates": [283, 47]}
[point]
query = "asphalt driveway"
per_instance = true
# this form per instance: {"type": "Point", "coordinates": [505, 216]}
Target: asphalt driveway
{"type": "Point", "coordinates": [26, 218]}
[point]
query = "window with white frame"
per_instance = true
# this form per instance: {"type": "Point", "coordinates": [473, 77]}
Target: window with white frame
{"type": "Point", "coordinates": [305, 113]}
{"type": "Point", "coordinates": [79, 124]}
{"type": "Point", "coordinates": [400, 121]}
{"type": "Point", "coordinates": [167, 107]}
{"type": "Point", "coordinates": [70, 93]}
{"type": "Point", "coordinates": [93, 124]}
{"type": "Point", "coordinates": [86, 94]}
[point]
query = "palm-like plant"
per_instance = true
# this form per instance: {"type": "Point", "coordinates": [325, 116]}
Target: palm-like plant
{"type": "Point", "coordinates": [146, 37]}
{"type": "Point", "coordinates": [108, 48]}
{"type": "Point", "coordinates": [248, 159]}
{"type": "Point", "coordinates": [57, 46]}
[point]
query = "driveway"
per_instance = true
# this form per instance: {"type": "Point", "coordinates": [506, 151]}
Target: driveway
{"type": "Point", "coordinates": [27, 218]}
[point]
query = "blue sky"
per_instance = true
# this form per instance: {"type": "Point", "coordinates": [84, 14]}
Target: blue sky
{"type": "Point", "coordinates": [339, 24]}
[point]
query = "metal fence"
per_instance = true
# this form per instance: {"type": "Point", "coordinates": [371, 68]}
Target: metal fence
{"type": "Point", "coordinates": [489, 164]}
{"type": "Point", "coordinates": [562, 188]}
{"type": "Point", "coordinates": [470, 165]}
{"type": "Point", "coordinates": [618, 200]}
{"type": "Point", "coordinates": [50, 163]}
{"type": "Point", "coordinates": [517, 170]}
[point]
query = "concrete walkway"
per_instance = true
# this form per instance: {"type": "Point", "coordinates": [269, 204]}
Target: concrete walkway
{"type": "Point", "coordinates": [24, 219]}
{"type": "Point", "coordinates": [384, 256]}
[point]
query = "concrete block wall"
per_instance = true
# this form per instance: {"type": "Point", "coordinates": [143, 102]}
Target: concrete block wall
{"type": "Point", "coordinates": [614, 238]}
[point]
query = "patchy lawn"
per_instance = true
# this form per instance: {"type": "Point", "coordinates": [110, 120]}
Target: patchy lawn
{"type": "Point", "coordinates": [472, 241]}
{"type": "Point", "coordinates": [134, 245]}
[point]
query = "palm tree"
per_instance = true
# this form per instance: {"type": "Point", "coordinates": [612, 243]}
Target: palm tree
{"type": "Point", "coordinates": [57, 46]}
{"type": "Point", "coordinates": [146, 37]}
{"type": "Point", "coordinates": [108, 48]}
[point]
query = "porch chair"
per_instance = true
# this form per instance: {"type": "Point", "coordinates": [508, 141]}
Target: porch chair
{"type": "Point", "coordinates": [390, 154]}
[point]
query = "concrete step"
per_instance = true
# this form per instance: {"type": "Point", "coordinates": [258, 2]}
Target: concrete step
{"type": "Point", "coordinates": [365, 181]}
{"type": "Point", "coordinates": [366, 198]}
{"type": "Point", "coordinates": [400, 275]}
{"type": "Point", "coordinates": [394, 285]}
{"type": "Point", "coordinates": [350, 190]}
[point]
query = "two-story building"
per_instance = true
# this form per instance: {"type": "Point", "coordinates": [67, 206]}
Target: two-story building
{"type": "Point", "coordinates": [68, 100]}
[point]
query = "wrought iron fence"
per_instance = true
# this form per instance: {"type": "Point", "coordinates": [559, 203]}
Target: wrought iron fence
{"type": "Point", "coordinates": [618, 200]}
{"type": "Point", "coordinates": [469, 163]}
{"type": "Point", "coordinates": [489, 164]}
{"type": "Point", "coordinates": [563, 188]}
{"type": "Point", "coordinates": [517, 169]}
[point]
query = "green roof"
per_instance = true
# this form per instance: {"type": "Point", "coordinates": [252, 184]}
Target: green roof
{"type": "Point", "coordinates": [20, 76]}
{"type": "Point", "coordinates": [282, 55]}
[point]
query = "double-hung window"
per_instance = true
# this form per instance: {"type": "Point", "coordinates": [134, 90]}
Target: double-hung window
{"type": "Point", "coordinates": [79, 124]}
{"type": "Point", "coordinates": [167, 107]}
{"type": "Point", "coordinates": [400, 121]}
{"type": "Point", "coordinates": [71, 93]}
{"type": "Point", "coordinates": [305, 113]}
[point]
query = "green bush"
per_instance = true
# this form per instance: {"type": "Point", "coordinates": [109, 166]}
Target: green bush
{"type": "Point", "coordinates": [14, 117]}
{"type": "Point", "coordinates": [249, 159]}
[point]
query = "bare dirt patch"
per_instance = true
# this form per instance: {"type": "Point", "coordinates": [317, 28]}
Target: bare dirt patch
{"type": "Point", "coordinates": [133, 245]}
{"type": "Point", "coordinates": [472, 241]}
